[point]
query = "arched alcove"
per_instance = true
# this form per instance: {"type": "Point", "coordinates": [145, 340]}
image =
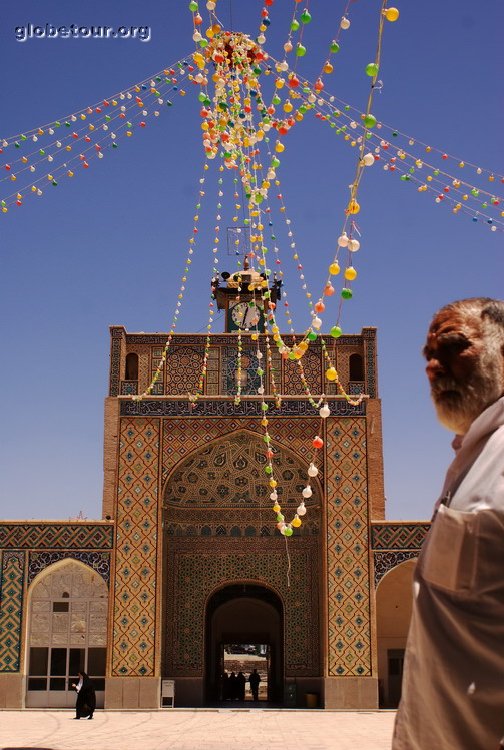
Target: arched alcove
{"type": "Point", "coordinates": [356, 367]}
{"type": "Point", "coordinates": [66, 633]}
{"type": "Point", "coordinates": [394, 597]}
{"type": "Point", "coordinates": [225, 483]}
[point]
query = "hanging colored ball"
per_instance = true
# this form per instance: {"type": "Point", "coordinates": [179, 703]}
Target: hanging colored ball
{"type": "Point", "coordinates": [370, 121]}
{"type": "Point", "coordinates": [350, 273]}
{"type": "Point", "coordinates": [334, 269]}
{"type": "Point", "coordinates": [312, 336]}
{"type": "Point", "coordinates": [353, 207]}
{"type": "Point", "coordinates": [328, 290]}
{"type": "Point", "coordinates": [372, 69]}
{"type": "Point", "coordinates": [334, 46]}
{"type": "Point", "coordinates": [306, 16]}
{"type": "Point", "coordinates": [353, 245]}
{"type": "Point", "coordinates": [317, 443]}
{"type": "Point", "coordinates": [307, 492]}
{"type": "Point", "coordinates": [336, 332]}
{"type": "Point", "coordinates": [343, 240]}
{"type": "Point", "coordinates": [368, 160]}
{"type": "Point", "coordinates": [331, 374]}
{"type": "Point", "coordinates": [324, 413]}
{"type": "Point", "coordinates": [193, 6]}
{"type": "Point", "coordinates": [391, 14]}
{"type": "Point", "coordinates": [287, 531]}
{"type": "Point", "coordinates": [312, 470]}
{"type": "Point", "coordinates": [300, 50]}
{"type": "Point", "coordinates": [301, 510]}
{"type": "Point", "coordinates": [296, 522]}
{"type": "Point", "coordinates": [346, 293]}
{"type": "Point", "coordinates": [345, 23]}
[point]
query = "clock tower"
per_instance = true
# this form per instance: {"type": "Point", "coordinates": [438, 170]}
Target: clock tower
{"type": "Point", "coordinates": [243, 298]}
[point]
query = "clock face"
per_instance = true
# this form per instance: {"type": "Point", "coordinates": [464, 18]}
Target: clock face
{"type": "Point", "coordinates": [245, 316]}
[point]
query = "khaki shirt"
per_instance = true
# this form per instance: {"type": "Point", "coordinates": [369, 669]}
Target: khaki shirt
{"type": "Point", "coordinates": [453, 682]}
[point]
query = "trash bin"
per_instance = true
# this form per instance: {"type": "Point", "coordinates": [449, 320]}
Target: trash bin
{"type": "Point", "coordinates": [311, 700]}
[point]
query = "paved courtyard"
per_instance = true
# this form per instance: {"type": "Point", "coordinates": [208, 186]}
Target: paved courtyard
{"type": "Point", "coordinates": [189, 729]}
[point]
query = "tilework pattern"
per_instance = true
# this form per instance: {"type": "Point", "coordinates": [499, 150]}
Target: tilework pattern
{"type": "Point", "coordinates": [230, 473]}
{"type": "Point", "coordinates": [183, 369]}
{"type": "Point", "coordinates": [116, 336]}
{"type": "Point", "coordinates": [133, 648]}
{"type": "Point", "coordinates": [199, 569]}
{"type": "Point", "coordinates": [183, 437]}
{"type": "Point", "coordinates": [388, 536]}
{"type": "Point", "coordinates": [98, 561]}
{"type": "Point", "coordinates": [385, 561]}
{"type": "Point", "coordinates": [226, 408]}
{"type": "Point", "coordinates": [56, 536]}
{"type": "Point", "coordinates": [349, 628]}
{"type": "Point", "coordinates": [312, 366]}
{"type": "Point", "coordinates": [11, 609]}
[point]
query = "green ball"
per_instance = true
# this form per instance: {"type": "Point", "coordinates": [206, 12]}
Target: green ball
{"type": "Point", "coordinates": [287, 531]}
{"type": "Point", "coordinates": [335, 332]}
{"type": "Point", "coordinates": [346, 293]}
{"type": "Point", "coordinates": [300, 50]}
{"type": "Point", "coordinates": [335, 46]}
{"type": "Point", "coordinates": [370, 121]}
{"type": "Point", "coordinates": [312, 336]}
{"type": "Point", "coordinates": [305, 16]}
{"type": "Point", "coordinates": [372, 69]}
{"type": "Point", "coordinates": [268, 470]}
{"type": "Point", "coordinates": [193, 7]}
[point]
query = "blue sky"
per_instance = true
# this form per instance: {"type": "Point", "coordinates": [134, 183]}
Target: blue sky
{"type": "Point", "coordinates": [108, 247]}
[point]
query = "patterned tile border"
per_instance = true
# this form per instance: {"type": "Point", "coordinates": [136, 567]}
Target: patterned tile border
{"type": "Point", "coordinates": [398, 535]}
{"type": "Point", "coordinates": [98, 561]}
{"type": "Point", "coordinates": [384, 562]}
{"type": "Point", "coordinates": [40, 535]}
{"type": "Point", "coordinates": [11, 609]}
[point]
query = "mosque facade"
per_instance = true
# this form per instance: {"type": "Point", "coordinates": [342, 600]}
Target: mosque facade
{"type": "Point", "coordinates": [187, 559]}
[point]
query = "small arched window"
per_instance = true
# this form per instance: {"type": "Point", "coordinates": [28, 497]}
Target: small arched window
{"type": "Point", "coordinates": [356, 367]}
{"type": "Point", "coordinates": [131, 366]}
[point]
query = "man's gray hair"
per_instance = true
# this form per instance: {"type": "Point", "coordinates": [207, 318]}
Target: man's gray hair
{"type": "Point", "coordinates": [491, 311]}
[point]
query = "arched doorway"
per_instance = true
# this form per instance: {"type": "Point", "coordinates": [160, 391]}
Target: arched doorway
{"type": "Point", "coordinates": [67, 634]}
{"type": "Point", "coordinates": [248, 619]}
{"type": "Point", "coordinates": [394, 598]}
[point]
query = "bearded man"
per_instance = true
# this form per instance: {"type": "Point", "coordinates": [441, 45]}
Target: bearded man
{"type": "Point", "coordinates": [453, 683]}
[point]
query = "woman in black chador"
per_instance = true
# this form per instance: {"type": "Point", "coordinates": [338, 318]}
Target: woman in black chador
{"type": "Point", "coordinates": [86, 698]}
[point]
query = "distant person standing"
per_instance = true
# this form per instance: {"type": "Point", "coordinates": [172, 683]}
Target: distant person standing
{"type": "Point", "coordinates": [86, 697]}
{"type": "Point", "coordinates": [241, 682]}
{"type": "Point", "coordinates": [254, 680]}
{"type": "Point", "coordinates": [453, 684]}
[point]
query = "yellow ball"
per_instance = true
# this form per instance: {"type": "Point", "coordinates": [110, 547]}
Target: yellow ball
{"type": "Point", "coordinates": [277, 508]}
{"type": "Point", "coordinates": [331, 374]}
{"type": "Point", "coordinates": [353, 207]}
{"type": "Point", "coordinates": [279, 147]}
{"type": "Point", "coordinates": [273, 483]}
{"type": "Point", "coordinates": [350, 273]}
{"type": "Point", "coordinates": [296, 522]}
{"type": "Point", "coordinates": [391, 14]}
{"type": "Point", "coordinates": [334, 269]}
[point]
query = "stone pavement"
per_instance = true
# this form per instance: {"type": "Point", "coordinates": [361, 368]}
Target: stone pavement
{"type": "Point", "coordinates": [202, 729]}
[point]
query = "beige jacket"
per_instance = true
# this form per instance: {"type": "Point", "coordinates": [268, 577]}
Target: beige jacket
{"type": "Point", "coordinates": [453, 683]}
